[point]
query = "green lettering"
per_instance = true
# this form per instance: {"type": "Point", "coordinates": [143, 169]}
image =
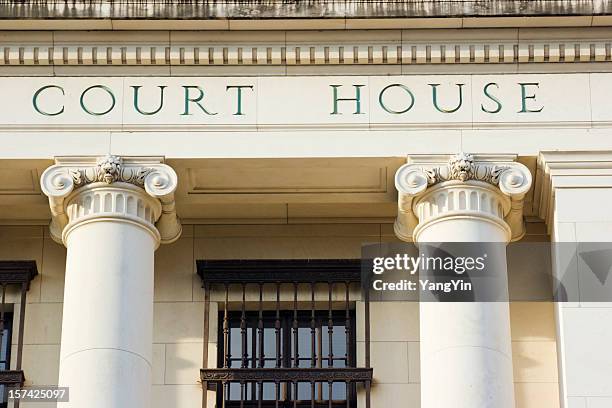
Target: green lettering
{"type": "Point", "coordinates": [239, 95]}
{"type": "Point", "coordinates": [524, 97]}
{"type": "Point", "coordinates": [357, 99]}
{"type": "Point", "coordinates": [491, 97]}
{"type": "Point", "coordinates": [434, 88]}
{"type": "Point", "coordinates": [405, 88]}
{"type": "Point", "coordinates": [194, 100]}
{"type": "Point", "coordinates": [161, 100]}
{"type": "Point", "coordinates": [35, 101]}
{"type": "Point", "coordinates": [104, 88]}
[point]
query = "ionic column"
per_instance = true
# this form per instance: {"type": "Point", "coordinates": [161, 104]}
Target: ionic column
{"type": "Point", "coordinates": [111, 214]}
{"type": "Point", "coordinates": [466, 354]}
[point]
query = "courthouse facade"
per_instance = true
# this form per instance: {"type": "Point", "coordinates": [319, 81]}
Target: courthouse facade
{"type": "Point", "coordinates": [185, 189]}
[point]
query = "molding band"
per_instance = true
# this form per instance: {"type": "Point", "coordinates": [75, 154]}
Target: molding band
{"type": "Point", "coordinates": [160, 54]}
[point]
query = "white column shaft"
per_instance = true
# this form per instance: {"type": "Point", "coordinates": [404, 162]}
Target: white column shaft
{"type": "Point", "coordinates": [107, 331]}
{"type": "Point", "coordinates": [466, 349]}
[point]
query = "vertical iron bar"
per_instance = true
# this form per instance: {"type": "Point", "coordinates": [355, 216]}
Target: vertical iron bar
{"type": "Point", "coordinates": [253, 359]}
{"type": "Point", "coordinates": [226, 345]}
{"type": "Point", "coordinates": [2, 319]}
{"type": "Point", "coordinates": [22, 309]}
{"type": "Point", "coordinates": [224, 393]}
{"type": "Point", "coordinates": [278, 395]}
{"type": "Point", "coordinates": [245, 352]}
{"type": "Point", "coordinates": [330, 334]}
{"type": "Point", "coordinates": [242, 393]}
{"type": "Point", "coordinates": [260, 328]}
{"type": "Point", "coordinates": [296, 354]}
{"type": "Point", "coordinates": [7, 366]}
{"type": "Point", "coordinates": [243, 330]}
{"type": "Point", "coordinates": [226, 331]}
{"type": "Point", "coordinates": [320, 356]}
{"type": "Point", "coordinates": [347, 335]}
{"type": "Point", "coordinates": [367, 343]}
{"type": "Point", "coordinates": [313, 341]}
{"type": "Point", "coordinates": [277, 328]}
{"type": "Point", "coordinates": [205, 339]}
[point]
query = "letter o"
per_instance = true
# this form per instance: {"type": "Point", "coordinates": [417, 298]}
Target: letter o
{"type": "Point", "coordinates": [98, 113]}
{"type": "Point", "coordinates": [35, 100]}
{"type": "Point", "coordinates": [404, 87]}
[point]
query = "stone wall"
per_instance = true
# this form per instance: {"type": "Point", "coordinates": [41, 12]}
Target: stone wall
{"type": "Point", "coordinates": [179, 308]}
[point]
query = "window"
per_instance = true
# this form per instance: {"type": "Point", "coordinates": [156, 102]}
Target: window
{"type": "Point", "coordinates": [288, 353]}
{"type": "Point", "coordinates": [306, 347]}
{"type": "Point", "coordinates": [14, 276]}
{"type": "Point", "coordinates": [6, 332]}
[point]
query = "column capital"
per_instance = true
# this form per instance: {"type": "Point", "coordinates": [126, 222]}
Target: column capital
{"type": "Point", "coordinates": [134, 189]}
{"type": "Point", "coordinates": [434, 187]}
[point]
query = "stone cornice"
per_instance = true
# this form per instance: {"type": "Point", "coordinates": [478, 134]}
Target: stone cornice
{"type": "Point", "coordinates": [69, 177]}
{"type": "Point", "coordinates": [498, 174]}
{"type": "Point", "coordinates": [275, 9]}
{"type": "Point", "coordinates": [307, 53]}
{"type": "Point", "coordinates": [569, 169]}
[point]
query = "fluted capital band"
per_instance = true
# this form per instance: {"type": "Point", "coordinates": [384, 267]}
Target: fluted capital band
{"type": "Point", "coordinates": [433, 187]}
{"type": "Point", "coordinates": [138, 190]}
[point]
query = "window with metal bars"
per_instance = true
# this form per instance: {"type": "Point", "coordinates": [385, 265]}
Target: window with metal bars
{"type": "Point", "coordinates": [14, 275]}
{"type": "Point", "coordinates": [272, 355]}
{"type": "Point", "coordinates": [308, 347]}
{"type": "Point", "coordinates": [6, 333]}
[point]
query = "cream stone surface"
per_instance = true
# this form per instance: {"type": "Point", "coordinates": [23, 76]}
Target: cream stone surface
{"type": "Point", "coordinates": [524, 355]}
{"type": "Point", "coordinates": [414, 362]}
{"type": "Point", "coordinates": [394, 321]}
{"type": "Point", "coordinates": [391, 395]}
{"type": "Point", "coordinates": [527, 141]}
{"type": "Point", "coordinates": [40, 374]}
{"type": "Point", "coordinates": [43, 323]}
{"type": "Point", "coordinates": [532, 321]}
{"type": "Point", "coordinates": [178, 322]}
{"type": "Point", "coordinates": [188, 396]}
{"type": "Point", "coordinates": [174, 270]}
{"type": "Point", "coordinates": [183, 362]}
{"type": "Point", "coordinates": [598, 402]}
{"type": "Point", "coordinates": [159, 364]}
{"type": "Point", "coordinates": [54, 261]}
{"type": "Point", "coordinates": [569, 179]}
{"type": "Point", "coordinates": [537, 395]}
{"type": "Point", "coordinates": [394, 357]}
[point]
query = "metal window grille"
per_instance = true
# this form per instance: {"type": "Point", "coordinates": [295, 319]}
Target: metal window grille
{"type": "Point", "coordinates": [17, 274]}
{"type": "Point", "coordinates": [272, 355]}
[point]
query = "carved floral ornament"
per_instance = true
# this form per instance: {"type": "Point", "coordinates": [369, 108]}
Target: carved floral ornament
{"type": "Point", "coordinates": [157, 179]}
